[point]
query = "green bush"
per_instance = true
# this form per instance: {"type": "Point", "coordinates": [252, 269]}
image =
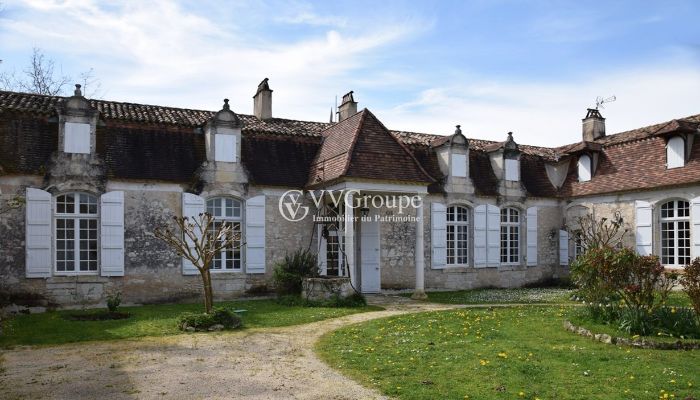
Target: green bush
{"type": "Point", "coordinates": [691, 284]}
{"type": "Point", "coordinates": [113, 301]}
{"type": "Point", "coordinates": [204, 321]}
{"type": "Point", "coordinates": [676, 322]}
{"type": "Point", "coordinates": [586, 275]}
{"type": "Point", "coordinates": [289, 272]}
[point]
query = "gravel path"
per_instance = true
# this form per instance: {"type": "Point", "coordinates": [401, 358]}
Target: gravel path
{"type": "Point", "coordinates": [271, 363]}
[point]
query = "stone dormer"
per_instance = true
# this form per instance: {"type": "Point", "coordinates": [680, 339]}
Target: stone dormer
{"type": "Point", "coordinates": [223, 149]}
{"type": "Point", "coordinates": [77, 125]}
{"type": "Point", "coordinates": [453, 158]}
{"type": "Point", "coordinates": [505, 162]}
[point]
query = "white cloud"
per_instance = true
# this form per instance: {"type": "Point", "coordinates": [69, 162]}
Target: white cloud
{"type": "Point", "coordinates": [549, 114]}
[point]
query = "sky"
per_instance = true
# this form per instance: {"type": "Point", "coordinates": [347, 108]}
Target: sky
{"type": "Point", "coordinates": [530, 67]}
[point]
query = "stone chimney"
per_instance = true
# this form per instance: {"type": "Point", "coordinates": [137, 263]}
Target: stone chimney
{"type": "Point", "coordinates": [347, 108]}
{"type": "Point", "coordinates": [262, 101]}
{"type": "Point", "coordinates": [593, 125]}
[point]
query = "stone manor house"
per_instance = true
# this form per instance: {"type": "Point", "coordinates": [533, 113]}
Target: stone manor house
{"type": "Point", "coordinates": [97, 177]}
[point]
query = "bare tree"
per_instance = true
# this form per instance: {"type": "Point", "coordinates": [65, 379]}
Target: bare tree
{"type": "Point", "coordinates": [199, 240]}
{"type": "Point", "coordinates": [595, 233]}
{"type": "Point", "coordinates": [41, 77]}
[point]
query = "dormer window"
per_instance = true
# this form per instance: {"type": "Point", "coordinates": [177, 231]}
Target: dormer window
{"type": "Point", "coordinates": [77, 138]}
{"type": "Point", "coordinates": [585, 170]}
{"type": "Point", "coordinates": [225, 147]}
{"type": "Point", "coordinates": [459, 165]}
{"type": "Point", "coordinates": [512, 167]}
{"type": "Point", "coordinates": [675, 152]}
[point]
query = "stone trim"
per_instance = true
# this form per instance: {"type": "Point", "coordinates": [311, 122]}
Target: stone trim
{"type": "Point", "coordinates": [639, 343]}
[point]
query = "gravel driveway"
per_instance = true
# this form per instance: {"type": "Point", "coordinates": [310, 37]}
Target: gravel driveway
{"type": "Point", "coordinates": [271, 363]}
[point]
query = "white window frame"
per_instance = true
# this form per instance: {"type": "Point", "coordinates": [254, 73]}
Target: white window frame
{"type": "Point", "coordinates": [672, 154]}
{"type": "Point", "coordinates": [76, 138]}
{"type": "Point", "coordinates": [455, 225]}
{"type": "Point", "coordinates": [225, 147]}
{"type": "Point", "coordinates": [579, 248]}
{"type": "Point", "coordinates": [76, 216]}
{"type": "Point", "coordinates": [510, 228]}
{"type": "Point", "coordinates": [459, 165]}
{"type": "Point", "coordinates": [221, 216]}
{"type": "Point", "coordinates": [585, 168]}
{"type": "Point", "coordinates": [512, 169]}
{"type": "Point", "coordinates": [675, 223]}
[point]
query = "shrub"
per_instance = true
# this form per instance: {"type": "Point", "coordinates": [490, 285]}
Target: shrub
{"type": "Point", "coordinates": [204, 321]}
{"type": "Point", "coordinates": [289, 272]}
{"type": "Point", "coordinates": [691, 284]}
{"type": "Point", "coordinates": [113, 301]}
{"type": "Point", "coordinates": [586, 275]}
{"type": "Point", "coordinates": [676, 322]}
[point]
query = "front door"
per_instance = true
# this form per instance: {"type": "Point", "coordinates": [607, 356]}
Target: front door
{"type": "Point", "coordinates": [369, 254]}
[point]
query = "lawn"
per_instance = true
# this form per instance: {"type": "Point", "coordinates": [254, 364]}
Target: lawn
{"type": "Point", "coordinates": [153, 320]}
{"type": "Point", "coordinates": [518, 352]}
{"type": "Point", "coordinates": [507, 296]}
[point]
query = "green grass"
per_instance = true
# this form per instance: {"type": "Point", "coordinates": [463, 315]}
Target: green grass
{"type": "Point", "coordinates": [502, 353]}
{"type": "Point", "coordinates": [678, 298]}
{"type": "Point", "coordinates": [153, 320]}
{"type": "Point", "coordinates": [502, 296]}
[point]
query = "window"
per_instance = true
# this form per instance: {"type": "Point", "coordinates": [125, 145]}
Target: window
{"type": "Point", "coordinates": [579, 249]}
{"type": "Point", "coordinates": [76, 233]}
{"type": "Point", "coordinates": [510, 236]}
{"type": "Point", "coordinates": [512, 170]}
{"type": "Point", "coordinates": [76, 138]}
{"type": "Point", "coordinates": [227, 211]}
{"type": "Point", "coordinates": [332, 252]}
{"type": "Point", "coordinates": [225, 148]}
{"type": "Point", "coordinates": [457, 235]}
{"type": "Point", "coordinates": [584, 168]}
{"type": "Point", "coordinates": [675, 233]}
{"type": "Point", "coordinates": [675, 152]}
{"type": "Point", "coordinates": [459, 165]}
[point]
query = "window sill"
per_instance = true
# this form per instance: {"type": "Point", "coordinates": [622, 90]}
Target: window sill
{"type": "Point", "coordinates": [225, 271]}
{"type": "Point", "coordinates": [63, 273]}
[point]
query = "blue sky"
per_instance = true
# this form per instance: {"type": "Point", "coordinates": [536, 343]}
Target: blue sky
{"type": "Point", "coordinates": [531, 67]}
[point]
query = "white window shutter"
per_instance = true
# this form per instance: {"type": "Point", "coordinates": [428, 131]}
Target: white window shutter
{"type": "Point", "coordinates": [38, 234]}
{"type": "Point", "coordinates": [76, 138]}
{"type": "Point", "coordinates": [532, 236]}
{"type": "Point", "coordinates": [675, 152]}
{"type": "Point", "coordinates": [322, 251]}
{"type": "Point", "coordinates": [480, 236]}
{"type": "Point", "coordinates": [225, 148]}
{"type": "Point", "coordinates": [563, 247]}
{"type": "Point", "coordinates": [255, 235]}
{"type": "Point", "coordinates": [192, 206]}
{"type": "Point", "coordinates": [643, 232]}
{"type": "Point", "coordinates": [512, 169]}
{"type": "Point", "coordinates": [112, 234]}
{"type": "Point", "coordinates": [438, 238]}
{"type": "Point", "coordinates": [459, 165]}
{"type": "Point", "coordinates": [695, 220]}
{"type": "Point", "coordinates": [584, 168]}
{"type": "Point", "coordinates": [493, 235]}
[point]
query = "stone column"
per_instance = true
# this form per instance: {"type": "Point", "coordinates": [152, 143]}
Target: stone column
{"type": "Point", "coordinates": [349, 236]}
{"type": "Point", "coordinates": [419, 293]}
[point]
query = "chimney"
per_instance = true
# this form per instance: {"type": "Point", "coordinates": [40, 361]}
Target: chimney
{"type": "Point", "coordinates": [593, 125]}
{"type": "Point", "coordinates": [262, 101]}
{"type": "Point", "coordinates": [348, 107]}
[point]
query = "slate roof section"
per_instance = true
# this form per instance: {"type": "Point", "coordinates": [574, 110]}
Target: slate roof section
{"type": "Point", "coordinates": [362, 147]}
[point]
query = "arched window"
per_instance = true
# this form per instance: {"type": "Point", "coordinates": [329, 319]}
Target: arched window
{"type": "Point", "coordinates": [76, 233]}
{"type": "Point", "coordinates": [675, 152]}
{"type": "Point", "coordinates": [227, 211]}
{"type": "Point", "coordinates": [675, 233]}
{"type": "Point", "coordinates": [457, 235]}
{"type": "Point", "coordinates": [510, 236]}
{"type": "Point", "coordinates": [585, 170]}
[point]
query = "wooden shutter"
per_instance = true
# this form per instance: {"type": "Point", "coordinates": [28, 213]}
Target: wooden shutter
{"type": "Point", "coordinates": [438, 238]}
{"type": "Point", "coordinates": [225, 148]}
{"type": "Point", "coordinates": [459, 165]}
{"type": "Point", "coordinates": [255, 235]}
{"type": "Point", "coordinates": [643, 232]}
{"type": "Point", "coordinates": [112, 234]}
{"type": "Point", "coordinates": [584, 168]}
{"type": "Point", "coordinates": [695, 220]}
{"type": "Point", "coordinates": [563, 247]}
{"type": "Point", "coordinates": [493, 235]}
{"type": "Point", "coordinates": [532, 236]}
{"type": "Point", "coordinates": [512, 169]}
{"type": "Point", "coordinates": [192, 206]}
{"type": "Point", "coordinates": [480, 236]}
{"type": "Point", "coordinates": [38, 234]}
{"type": "Point", "coordinates": [675, 152]}
{"type": "Point", "coordinates": [76, 138]}
{"type": "Point", "coordinates": [322, 250]}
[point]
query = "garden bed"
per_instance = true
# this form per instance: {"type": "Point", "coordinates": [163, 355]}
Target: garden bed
{"type": "Point", "coordinates": [639, 342]}
{"type": "Point", "coordinates": [97, 316]}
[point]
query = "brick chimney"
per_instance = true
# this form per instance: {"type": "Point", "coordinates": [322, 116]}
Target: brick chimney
{"type": "Point", "coordinates": [593, 125]}
{"type": "Point", "coordinates": [347, 108]}
{"type": "Point", "coordinates": [262, 101]}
